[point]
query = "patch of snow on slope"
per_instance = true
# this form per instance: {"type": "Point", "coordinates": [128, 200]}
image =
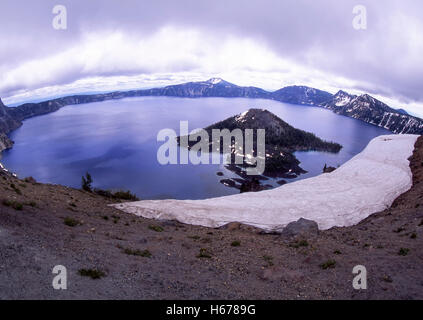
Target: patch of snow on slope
{"type": "Point", "coordinates": [215, 80]}
{"type": "Point", "coordinates": [343, 102]}
{"type": "Point", "coordinates": [241, 117]}
{"type": "Point", "coordinates": [366, 184]}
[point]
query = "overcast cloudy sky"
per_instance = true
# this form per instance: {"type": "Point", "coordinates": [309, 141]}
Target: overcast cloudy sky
{"type": "Point", "coordinates": [113, 45]}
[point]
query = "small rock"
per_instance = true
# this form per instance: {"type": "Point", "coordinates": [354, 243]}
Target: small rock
{"type": "Point", "coordinates": [171, 223]}
{"type": "Point", "coordinates": [231, 226]}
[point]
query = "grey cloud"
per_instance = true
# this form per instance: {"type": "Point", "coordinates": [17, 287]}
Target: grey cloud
{"type": "Point", "coordinates": [317, 34]}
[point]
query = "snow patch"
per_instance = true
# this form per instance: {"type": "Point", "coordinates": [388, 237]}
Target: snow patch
{"type": "Point", "coordinates": [215, 80]}
{"type": "Point", "coordinates": [366, 184]}
{"type": "Point", "coordinates": [241, 117]}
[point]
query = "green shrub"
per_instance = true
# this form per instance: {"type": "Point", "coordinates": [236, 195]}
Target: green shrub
{"type": "Point", "coordinates": [268, 259]}
{"type": "Point", "coordinates": [16, 189]}
{"type": "Point", "coordinates": [330, 264]}
{"type": "Point", "coordinates": [70, 222]}
{"type": "Point", "coordinates": [137, 252]}
{"type": "Point", "coordinates": [15, 205]}
{"type": "Point", "coordinates": [204, 254]}
{"type": "Point", "coordinates": [403, 251]}
{"type": "Point", "coordinates": [92, 273]}
{"type": "Point", "coordinates": [155, 228]}
{"type": "Point", "coordinates": [32, 204]}
{"type": "Point", "coordinates": [301, 243]}
{"type": "Point", "coordinates": [235, 243]}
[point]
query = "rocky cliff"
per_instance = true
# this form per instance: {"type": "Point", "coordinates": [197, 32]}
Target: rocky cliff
{"type": "Point", "coordinates": [7, 124]}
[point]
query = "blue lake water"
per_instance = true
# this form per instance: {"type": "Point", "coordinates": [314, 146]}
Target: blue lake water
{"type": "Point", "coordinates": [116, 142]}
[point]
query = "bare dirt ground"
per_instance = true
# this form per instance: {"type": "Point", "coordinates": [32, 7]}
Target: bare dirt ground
{"type": "Point", "coordinates": [189, 262]}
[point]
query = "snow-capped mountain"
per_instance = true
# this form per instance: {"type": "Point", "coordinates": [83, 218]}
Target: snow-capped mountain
{"type": "Point", "coordinates": [214, 87]}
{"type": "Point", "coordinates": [373, 111]}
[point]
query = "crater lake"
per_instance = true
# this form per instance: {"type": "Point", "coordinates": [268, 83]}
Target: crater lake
{"type": "Point", "coordinates": [116, 142]}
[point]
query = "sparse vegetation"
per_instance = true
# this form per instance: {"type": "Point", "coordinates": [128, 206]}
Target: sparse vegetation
{"type": "Point", "coordinates": [71, 222]}
{"type": "Point", "coordinates": [118, 195]}
{"type": "Point", "coordinates": [413, 236]}
{"type": "Point", "coordinates": [337, 252]}
{"type": "Point", "coordinates": [330, 264]}
{"type": "Point", "coordinates": [32, 204]}
{"type": "Point", "coordinates": [92, 273]}
{"type": "Point", "coordinates": [125, 195]}
{"type": "Point", "coordinates": [403, 251]}
{"type": "Point", "coordinates": [115, 219]}
{"type": "Point", "coordinates": [298, 244]}
{"type": "Point", "coordinates": [155, 228]}
{"type": "Point", "coordinates": [14, 204]}
{"type": "Point", "coordinates": [17, 206]}
{"type": "Point", "coordinates": [16, 189]}
{"type": "Point", "coordinates": [204, 254]}
{"type": "Point", "coordinates": [235, 243]}
{"type": "Point", "coordinates": [137, 252]}
{"type": "Point", "coordinates": [269, 260]}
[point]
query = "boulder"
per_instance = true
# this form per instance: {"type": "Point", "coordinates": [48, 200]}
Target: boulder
{"type": "Point", "coordinates": [300, 227]}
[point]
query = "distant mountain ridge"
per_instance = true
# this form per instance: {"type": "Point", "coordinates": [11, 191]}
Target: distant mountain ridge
{"type": "Point", "coordinates": [364, 107]}
{"type": "Point", "coordinates": [373, 111]}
